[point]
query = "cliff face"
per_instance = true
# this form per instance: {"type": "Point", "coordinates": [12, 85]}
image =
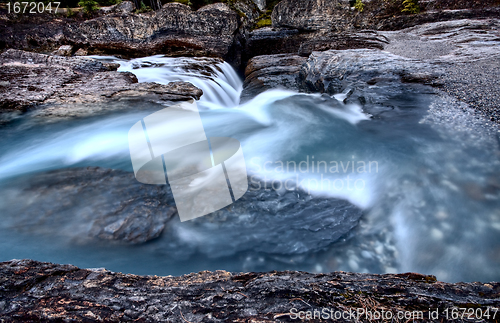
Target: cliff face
{"type": "Point", "coordinates": [219, 30]}
{"type": "Point", "coordinates": [174, 29]}
{"type": "Point", "coordinates": [36, 291]}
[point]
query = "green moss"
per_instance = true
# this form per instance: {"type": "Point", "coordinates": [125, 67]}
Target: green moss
{"type": "Point", "coordinates": [359, 5]}
{"type": "Point", "coordinates": [411, 6]}
{"type": "Point", "coordinates": [143, 8]}
{"type": "Point", "coordinates": [88, 6]}
{"type": "Point", "coordinates": [265, 22]}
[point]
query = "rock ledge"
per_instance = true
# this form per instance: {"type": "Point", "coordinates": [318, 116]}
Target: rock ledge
{"type": "Point", "coordinates": [37, 291]}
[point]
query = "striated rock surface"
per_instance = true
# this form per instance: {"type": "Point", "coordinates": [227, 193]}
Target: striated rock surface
{"type": "Point", "coordinates": [271, 41]}
{"type": "Point", "coordinates": [75, 86]}
{"type": "Point", "coordinates": [37, 291]}
{"type": "Point", "coordinates": [270, 71]}
{"type": "Point", "coordinates": [311, 15]}
{"type": "Point", "coordinates": [175, 29]}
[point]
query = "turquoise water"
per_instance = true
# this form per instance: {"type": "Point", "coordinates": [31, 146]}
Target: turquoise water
{"type": "Point", "coordinates": [427, 181]}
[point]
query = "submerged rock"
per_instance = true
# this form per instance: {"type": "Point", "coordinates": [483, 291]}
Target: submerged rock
{"type": "Point", "coordinates": [37, 291]}
{"type": "Point", "coordinates": [88, 203]}
{"type": "Point", "coordinates": [84, 203]}
{"type": "Point", "coordinates": [75, 86]}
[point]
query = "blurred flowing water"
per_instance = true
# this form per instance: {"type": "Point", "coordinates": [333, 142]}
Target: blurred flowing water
{"type": "Point", "coordinates": [426, 177]}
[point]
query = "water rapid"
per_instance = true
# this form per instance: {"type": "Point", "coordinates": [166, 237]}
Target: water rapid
{"type": "Point", "coordinates": [429, 190]}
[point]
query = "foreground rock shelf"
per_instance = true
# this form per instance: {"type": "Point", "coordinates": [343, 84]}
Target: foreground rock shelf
{"type": "Point", "coordinates": [37, 291]}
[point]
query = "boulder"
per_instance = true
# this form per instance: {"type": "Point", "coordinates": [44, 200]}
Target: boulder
{"type": "Point", "coordinates": [271, 71]}
{"type": "Point", "coordinates": [124, 7]}
{"type": "Point", "coordinates": [81, 52]}
{"type": "Point", "coordinates": [174, 30]}
{"type": "Point", "coordinates": [429, 54]}
{"type": "Point", "coordinates": [311, 15]}
{"type": "Point", "coordinates": [64, 50]}
{"type": "Point", "coordinates": [271, 41]}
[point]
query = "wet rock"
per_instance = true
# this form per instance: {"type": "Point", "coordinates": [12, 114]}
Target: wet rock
{"type": "Point", "coordinates": [271, 71]}
{"type": "Point", "coordinates": [36, 291]}
{"type": "Point", "coordinates": [282, 223]}
{"type": "Point", "coordinates": [74, 86]}
{"type": "Point", "coordinates": [431, 54]}
{"type": "Point", "coordinates": [334, 71]}
{"type": "Point", "coordinates": [87, 203]}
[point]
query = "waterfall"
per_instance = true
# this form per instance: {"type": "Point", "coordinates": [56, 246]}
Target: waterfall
{"type": "Point", "coordinates": [219, 82]}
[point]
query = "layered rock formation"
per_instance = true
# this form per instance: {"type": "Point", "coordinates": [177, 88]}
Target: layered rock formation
{"type": "Point", "coordinates": [224, 31]}
{"type": "Point", "coordinates": [175, 29]}
{"type": "Point", "coordinates": [431, 54]}
{"type": "Point", "coordinates": [64, 87]}
{"type": "Point", "coordinates": [35, 291]}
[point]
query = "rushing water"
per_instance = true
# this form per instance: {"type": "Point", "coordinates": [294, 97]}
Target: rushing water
{"type": "Point", "coordinates": [428, 181]}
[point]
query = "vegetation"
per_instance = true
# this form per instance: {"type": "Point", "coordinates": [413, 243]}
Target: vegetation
{"type": "Point", "coordinates": [263, 23]}
{"type": "Point", "coordinates": [410, 6]}
{"type": "Point", "coordinates": [89, 6]}
{"type": "Point", "coordinates": [143, 8]}
{"type": "Point", "coordinates": [70, 13]}
{"type": "Point", "coordinates": [359, 5]}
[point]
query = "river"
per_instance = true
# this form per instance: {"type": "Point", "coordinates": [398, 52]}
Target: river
{"type": "Point", "coordinates": [426, 178]}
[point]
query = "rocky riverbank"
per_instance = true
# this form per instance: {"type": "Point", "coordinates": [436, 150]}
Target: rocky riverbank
{"type": "Point", "coordinates": [437, 42]}
{"type": "Point", "coordinates": [458, 57]}
{"type": "Point", "coordinates": [63, 87]}
{"type": "Point", "coordinates": [36, 291]}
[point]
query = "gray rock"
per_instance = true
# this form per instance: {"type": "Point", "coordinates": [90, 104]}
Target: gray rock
{"type": "Point", "coordinates": [271, 41]}
{"type": "Point", "coordinates": [36, 291]}
{"type": "Point", "coordinates": [271, 71]}
{"type": "Point", "coordinates": [174, 30]}
{"type": "Point", "coordinates": [90, 203]}
{"type": "Point", "coordinates": [75, 86]}
{"type": "Point", "coordinates": [311, 15]}
{"type": "Point", "coordinates": [261, 4]}
{"type": "Point", "coordinates": [87, 203]}
{"type": "Point", "coordinates": [434, 54]}
{"type": "Point", "coordinates": [124, 7]}
{"type": "Point", "coordinates": [64, 50]}
{"type": "Point", "coordinates": [81, 52]}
